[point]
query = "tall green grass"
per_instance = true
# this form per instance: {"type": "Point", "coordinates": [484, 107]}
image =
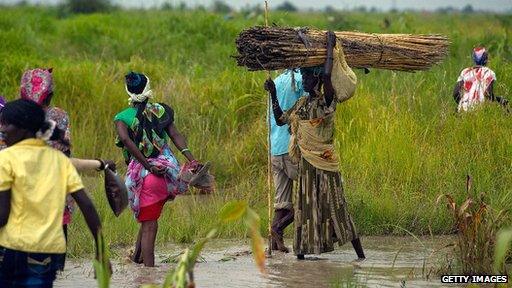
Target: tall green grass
{"type": "Point", "coordinates": [400, 142]}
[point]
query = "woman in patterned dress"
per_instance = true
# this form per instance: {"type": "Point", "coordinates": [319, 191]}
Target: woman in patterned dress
{"type": "Point", "coordinates": [321, 213]}
{"type": "Point", "coordinates": [144, 130]}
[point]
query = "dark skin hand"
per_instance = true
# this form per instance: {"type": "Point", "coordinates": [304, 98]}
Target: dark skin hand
{"type": "Point", "coordinates": [176, 137]}
{"type": "Point", "coordinates": [122, 131]}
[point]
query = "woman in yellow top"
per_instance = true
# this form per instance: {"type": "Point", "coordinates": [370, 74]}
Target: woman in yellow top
{"type": "Point", "coordinates": [34, 182]}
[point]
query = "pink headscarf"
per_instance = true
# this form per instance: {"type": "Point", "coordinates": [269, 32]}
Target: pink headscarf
{"type": "Point", "coordinates": [36, 85]}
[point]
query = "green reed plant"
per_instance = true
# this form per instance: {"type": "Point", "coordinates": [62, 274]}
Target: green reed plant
{"type": "Point", "coordinates": [477, 225]}
{"type": "Point", "coordinates": [102, 267]}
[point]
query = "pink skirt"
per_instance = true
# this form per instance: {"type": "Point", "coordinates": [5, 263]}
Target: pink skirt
{"type": "Point", "coordinates": [153, 196]}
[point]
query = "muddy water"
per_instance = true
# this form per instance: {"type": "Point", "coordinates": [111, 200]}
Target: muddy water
{"type": "Point", "coordinates": [390, 262]}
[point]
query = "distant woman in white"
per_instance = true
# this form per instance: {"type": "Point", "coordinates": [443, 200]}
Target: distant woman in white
{"type": "Point", "coordinates": [475, 84]}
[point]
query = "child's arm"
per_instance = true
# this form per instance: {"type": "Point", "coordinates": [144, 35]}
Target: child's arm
{"type": "Point", "coordinates": [5, 206]}
{"type": "Point", "coordinates": [90, 214]}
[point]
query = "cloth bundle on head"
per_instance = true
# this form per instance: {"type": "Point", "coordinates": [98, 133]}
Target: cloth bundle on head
{"type": "Point", "coordinates": [138, 88]}
{"type": "Point", "coordinates": [480, 56]}
{"type": "Point", "coordinates": [36, 85]}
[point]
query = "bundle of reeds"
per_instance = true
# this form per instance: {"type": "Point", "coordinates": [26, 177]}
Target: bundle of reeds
{"type": "Point", "coordinates": [273, 48]}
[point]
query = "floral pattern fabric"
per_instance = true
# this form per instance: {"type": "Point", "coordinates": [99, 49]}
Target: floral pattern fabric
{"type": "Point", "coordinates": [36, 85]}
{"type": "Point", "coordinates": [61, 119]}
{"type": "Point", "coordinates": [154, 137]}
{"type": "Point", "coordinates": [136, 173]}
{"type": "Point", "coordinates": [476, 81]}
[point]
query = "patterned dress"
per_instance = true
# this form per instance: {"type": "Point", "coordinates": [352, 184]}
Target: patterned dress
{"type": "Point", "coordinates": [61, 119]}
{"type": "Point", "coordinates": [321, 213]}
{"type": "Point", "coordinates": [152, 141]}
{"type": "Point", "coordinates": [476, 81]}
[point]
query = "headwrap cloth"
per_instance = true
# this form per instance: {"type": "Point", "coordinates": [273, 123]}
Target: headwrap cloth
{"type": "Point", "coordinates": [134, 81]}
{"type": "Point", "coordinates": [36, 85]}
{"type": "Point", "coordinates": [480, 55]}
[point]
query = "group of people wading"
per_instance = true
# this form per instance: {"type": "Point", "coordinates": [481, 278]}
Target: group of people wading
{"type": "Point", "coordinates": [39, 180]}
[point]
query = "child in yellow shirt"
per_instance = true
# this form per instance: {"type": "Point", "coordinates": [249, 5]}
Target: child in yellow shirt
{"type": "Point", "coordinates": [34, 182]}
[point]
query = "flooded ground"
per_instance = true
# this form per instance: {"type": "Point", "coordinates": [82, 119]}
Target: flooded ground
{"type": "Point", "coordinates": [391, 262]}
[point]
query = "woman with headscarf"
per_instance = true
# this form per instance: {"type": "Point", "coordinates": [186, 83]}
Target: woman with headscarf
{"type": "Point", "coordinates": [475, 84]}
{"type": "Point", "coordinates": [321, 213]}
{"type": "Point", "coordinates": [144, 130]}
{"type": "Point", "coordinates": [37, 86]}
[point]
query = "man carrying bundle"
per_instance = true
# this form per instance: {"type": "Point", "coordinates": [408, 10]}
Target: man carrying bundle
{"type": "Point", "coordinates": [476, 83]}
{"type": "Point", "coordinates": [289, 90]}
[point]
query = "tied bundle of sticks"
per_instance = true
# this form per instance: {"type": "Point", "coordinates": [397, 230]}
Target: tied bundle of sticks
{"type": "Point", "coordinates": [274, 48]}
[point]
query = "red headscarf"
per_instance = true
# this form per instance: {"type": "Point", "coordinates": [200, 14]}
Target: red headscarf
{"type": "Point", "coordinates": [36, 85]}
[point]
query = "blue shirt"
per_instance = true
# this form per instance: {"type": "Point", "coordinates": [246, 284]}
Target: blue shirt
{"type": "Point", "coordinates": [286, 96]}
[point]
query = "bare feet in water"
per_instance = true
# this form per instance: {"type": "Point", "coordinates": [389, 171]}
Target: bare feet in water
{"type": "Point", "coordinates": [278, 241]}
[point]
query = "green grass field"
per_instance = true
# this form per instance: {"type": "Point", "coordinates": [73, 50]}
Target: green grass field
{"type": "Point", "coordinates": [400, 142]}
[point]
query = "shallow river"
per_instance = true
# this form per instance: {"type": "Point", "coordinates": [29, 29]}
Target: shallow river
{"type": "Point", "coordinates": [391, 262]}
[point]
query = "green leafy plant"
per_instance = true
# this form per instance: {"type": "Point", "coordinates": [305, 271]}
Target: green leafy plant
{"type": "Point", "coordinates": [477, 225]}
{"type": "Point", "coordinates": [183, 275]}
{"type": "Point", "coordinates": [101, 264]}
{"type": "Point", "coordinates": [502, 249]}
{"type": "Point", "coordinates": [236, 210]}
